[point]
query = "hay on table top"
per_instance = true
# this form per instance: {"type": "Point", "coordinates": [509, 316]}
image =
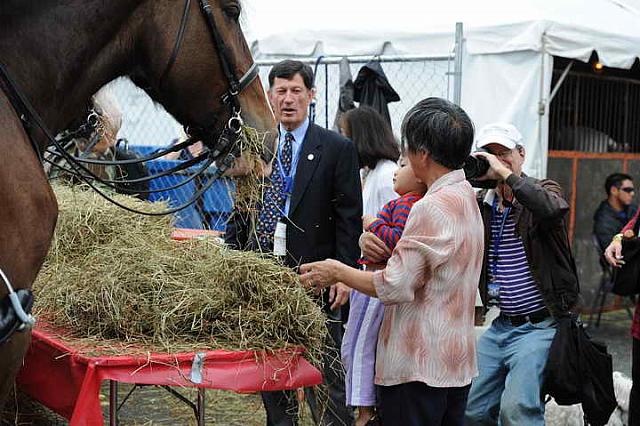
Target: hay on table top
{"type": "Point", "coordinates": [115, 275]}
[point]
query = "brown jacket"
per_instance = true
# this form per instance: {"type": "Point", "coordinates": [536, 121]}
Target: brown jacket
{"type": "Point", "coordinates": [540, 213]}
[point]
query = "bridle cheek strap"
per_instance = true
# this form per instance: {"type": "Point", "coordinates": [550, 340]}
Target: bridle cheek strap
{"type": "Point", "coordinates": [236, 85]}
{"type": "Point", "coordinates": [227, 139]}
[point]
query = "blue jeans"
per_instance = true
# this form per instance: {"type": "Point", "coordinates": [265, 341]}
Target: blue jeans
{"type": "Point", "coordinates": [511, 361]}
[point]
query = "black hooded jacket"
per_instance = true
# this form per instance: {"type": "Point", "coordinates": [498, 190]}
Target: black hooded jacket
{"type": "Point", "coordinates": [372, 88]}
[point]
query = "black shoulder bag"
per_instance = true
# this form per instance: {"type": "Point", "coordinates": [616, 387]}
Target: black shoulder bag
{"type": "Point", "coordinates": [580, 371]}
{"type": "Point", "coordinates": [626, 279]}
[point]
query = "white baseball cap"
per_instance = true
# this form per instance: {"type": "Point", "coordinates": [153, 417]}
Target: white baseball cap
{"type": "Point", "coordinates": [504, 134]}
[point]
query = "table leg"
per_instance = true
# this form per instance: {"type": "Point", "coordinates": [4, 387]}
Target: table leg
{"type": "Point", "coordinates": [113, 403]}
{"type": "Point", "coordinates": [201, 404]}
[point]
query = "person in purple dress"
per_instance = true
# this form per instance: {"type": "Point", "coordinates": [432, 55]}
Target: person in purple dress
{"type": "Point", "coordinates": [378, 153]}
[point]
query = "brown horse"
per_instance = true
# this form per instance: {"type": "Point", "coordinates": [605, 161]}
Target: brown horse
{"type": "Point", "coordinates": [60, 52]}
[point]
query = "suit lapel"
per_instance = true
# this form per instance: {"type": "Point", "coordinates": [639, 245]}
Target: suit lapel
{"type": "Point", "coordinates": [307, 164]}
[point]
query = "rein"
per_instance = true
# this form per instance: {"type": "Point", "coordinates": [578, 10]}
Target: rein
{"type": "Point", "coordinates": [221, 148]}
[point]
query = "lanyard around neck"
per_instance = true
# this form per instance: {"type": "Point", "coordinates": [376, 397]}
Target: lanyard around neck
{"type": "Point", "coordinates": [497, 241]}
{"type": "Point", "coordinates": [287, 179]}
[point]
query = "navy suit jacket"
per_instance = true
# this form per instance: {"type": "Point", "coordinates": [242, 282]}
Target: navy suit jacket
{"type": "Point", "coordinates": [325, 213]}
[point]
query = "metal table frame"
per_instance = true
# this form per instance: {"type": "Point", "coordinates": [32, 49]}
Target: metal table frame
{"type": "Point", "coordinates": [198, 407]}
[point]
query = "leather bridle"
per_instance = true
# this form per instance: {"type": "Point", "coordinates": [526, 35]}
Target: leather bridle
{"type": "Point", "coordinates": [222, 150]}
{"type": "Point", "coordinates": [222, 147]}
{"type": "Point", "coordinates": [236, 85]}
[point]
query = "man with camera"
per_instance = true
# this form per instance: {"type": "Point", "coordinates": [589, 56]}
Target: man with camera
{"type": "Point", "coordinates": [528, 272]}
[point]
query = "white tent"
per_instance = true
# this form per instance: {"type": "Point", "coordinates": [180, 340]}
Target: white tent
{"type": "Point", "coordinates": [509, 45]}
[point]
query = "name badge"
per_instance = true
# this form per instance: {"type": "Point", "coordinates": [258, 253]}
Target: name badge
{"type": "Point", "coordinates": [493, 291]}
{"type": "Point", "coordinates": [280, 240]}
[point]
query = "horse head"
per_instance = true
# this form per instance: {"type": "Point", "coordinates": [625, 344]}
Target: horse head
{"type": "Point", "coordinates": [186, 53]}
{"type": "Point", "coordinates": [196, 63]}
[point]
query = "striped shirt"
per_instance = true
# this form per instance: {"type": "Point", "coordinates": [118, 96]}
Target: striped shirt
{"type": "Point", "coordinates": [390, 221]}
{"type": "Point", "coordinates": [509, 268]}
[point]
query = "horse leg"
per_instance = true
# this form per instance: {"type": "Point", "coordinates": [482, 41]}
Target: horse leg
{"type": "Point", "coordinates": [27, 221]}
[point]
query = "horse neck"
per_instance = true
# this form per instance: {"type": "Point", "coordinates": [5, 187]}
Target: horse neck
{"type": "Point", "coordinates": [88, 43]}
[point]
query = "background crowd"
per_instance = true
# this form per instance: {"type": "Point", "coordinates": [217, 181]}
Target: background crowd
{"type": "Point", "coordinates": [408, 242]}
{"type": "Point", "coordinates": [407, 250]}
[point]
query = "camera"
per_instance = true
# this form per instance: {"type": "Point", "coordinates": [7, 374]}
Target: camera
{"type": "Point", "coordinates": [475, 167]}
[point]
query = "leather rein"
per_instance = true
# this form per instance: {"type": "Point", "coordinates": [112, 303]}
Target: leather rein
{"type": "Point", "coordinates": [220, 149]}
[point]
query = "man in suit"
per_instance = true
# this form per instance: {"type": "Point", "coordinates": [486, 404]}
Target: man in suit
{"type": "Point", "coordinates": [312, 210]}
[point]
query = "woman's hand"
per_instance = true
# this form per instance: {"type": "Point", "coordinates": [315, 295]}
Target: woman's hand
{"type": "Point", "coordinates": [613, 254]}
{"type": "Point", "coordinates": [338, 295]}
{"type": "Point", "coordinates": [320, 274]}
{"type": "Point", "coordinates": [373, 248]}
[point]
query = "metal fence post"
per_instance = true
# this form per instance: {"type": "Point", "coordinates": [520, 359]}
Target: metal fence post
{"type": "Point", "coordinates": [457, 73]}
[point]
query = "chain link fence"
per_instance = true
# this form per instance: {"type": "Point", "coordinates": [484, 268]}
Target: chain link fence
{"type": "Point", "coordinates": [413, 78]}
{"type": "Point", "coordinates": [147, 126]}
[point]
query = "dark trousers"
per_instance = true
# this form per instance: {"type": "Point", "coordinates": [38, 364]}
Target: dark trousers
{"type": "Point", "coordinates": [634, 398]}
{"type": "Point", "coordinates": [417, 404]}
{"type": "Point", "coordinates": [328, 404]}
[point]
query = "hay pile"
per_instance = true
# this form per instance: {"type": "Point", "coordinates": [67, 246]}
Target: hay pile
{"type": "Point", "coordinates": [111, 274]}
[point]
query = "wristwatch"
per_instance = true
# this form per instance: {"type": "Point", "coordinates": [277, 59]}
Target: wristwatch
{"type": "Point", "coordinates": [617, 237]}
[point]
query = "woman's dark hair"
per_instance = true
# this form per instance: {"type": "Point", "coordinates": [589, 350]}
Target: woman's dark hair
{"type": "Point", "coordinates": [441, 128]}
{"type": "Point", "coordinates": [371, 135]}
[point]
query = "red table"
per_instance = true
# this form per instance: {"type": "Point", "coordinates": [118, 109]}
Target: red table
{"type": "Point", "coordinates": [58, 374]}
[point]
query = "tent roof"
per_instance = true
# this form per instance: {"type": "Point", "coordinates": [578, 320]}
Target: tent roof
{"type": "Point", "coordinates": [570, 28]}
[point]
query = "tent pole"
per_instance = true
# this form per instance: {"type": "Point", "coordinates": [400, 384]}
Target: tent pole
{"type": "Point", "coordinates": [542, 109]}
{"type": "Point", "coordinates": [457, 71]}
{"type": "Point", "coordinates": [326, 95]}
{"type": "Point", "coordinates": [542, 104]}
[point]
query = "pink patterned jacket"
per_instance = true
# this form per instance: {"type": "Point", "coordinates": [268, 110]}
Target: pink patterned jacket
{"type": "Point", "coordinates": [429, 290]}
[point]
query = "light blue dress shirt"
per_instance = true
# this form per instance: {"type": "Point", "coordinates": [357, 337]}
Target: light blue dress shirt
{"type": "Point", "coordinates": [298, 139]}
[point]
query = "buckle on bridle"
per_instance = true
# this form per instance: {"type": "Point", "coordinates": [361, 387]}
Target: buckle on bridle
{"type": "Point", "coordinates": [235, 123]}
{"type": "Point", "coordinates": [234, 88]}
{"type": "Point", "coordinates": [26, 320]}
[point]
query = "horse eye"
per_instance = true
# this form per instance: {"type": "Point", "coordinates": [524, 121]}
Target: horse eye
{"type": "Point", "coordinates": [232, 11]}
